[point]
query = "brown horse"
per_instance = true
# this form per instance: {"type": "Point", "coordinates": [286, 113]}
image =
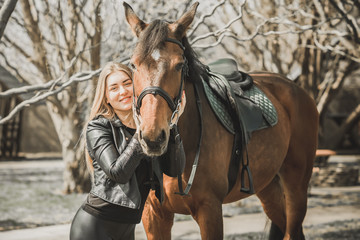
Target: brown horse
{"type": "Point", "coordinates": [281, 157]}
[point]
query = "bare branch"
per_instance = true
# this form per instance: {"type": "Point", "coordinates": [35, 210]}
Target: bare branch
{"type": "Point", "coordinates": [5, 14]}
{"type": "Point", "coordinates": [326, 48]}
{"type": "Point", "coordinates": [19, 49]}
{"type": "Point", "coordinates": [34, 33]}
{"type": "Point", "coordinates": [222, 30]}
{"type": "Point", "coordinates": [348, 21]}
{"type": "Point", "coordinates": [202, 18]}
{"type": "Point", "coordinates": [346, 126]}
{"type": "Point", "coordinates": [80, 77]}
{"type": "Point", "coordinates": [18, 75]}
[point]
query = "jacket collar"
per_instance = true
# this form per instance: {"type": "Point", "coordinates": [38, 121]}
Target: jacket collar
{"type": "Point", "coordinates": [115, 121]}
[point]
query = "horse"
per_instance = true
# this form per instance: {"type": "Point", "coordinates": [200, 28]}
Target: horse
{"type": "Point", "coordinates": [281, 157]}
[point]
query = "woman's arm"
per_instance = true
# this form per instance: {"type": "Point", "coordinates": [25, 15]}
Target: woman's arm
{"type": "Point", "coordinates": [118, 167]}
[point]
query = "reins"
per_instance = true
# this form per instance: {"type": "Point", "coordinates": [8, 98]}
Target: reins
{"type": "Point", "coordinates": [196, 160]}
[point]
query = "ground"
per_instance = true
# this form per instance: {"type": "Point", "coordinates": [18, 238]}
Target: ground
{"type": "Point", "coordinates": [31, 197]}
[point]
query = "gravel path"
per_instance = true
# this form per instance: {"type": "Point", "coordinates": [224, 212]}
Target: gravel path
{"type": "Point", "coordinates": [31, 197]}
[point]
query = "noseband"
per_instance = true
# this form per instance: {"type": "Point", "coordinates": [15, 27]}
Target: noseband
{"type": "Point", "coordinates": [174, 104]}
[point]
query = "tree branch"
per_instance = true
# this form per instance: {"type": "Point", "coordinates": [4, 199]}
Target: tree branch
{"type": "Point", "coordinates": [16, 70]}
{"type": "Point", "coordinates": [202, 18]}
{"type": "Point", "coordinates": [5, 13]}
{"type": "Point", "coordinates": [80, 77]}
{"type": "Point", "coordinates": [348, 21]}
{"type": "Point", "coordinates": [32, 27]}
{"type": "Point", "coordinates": [222, 30]}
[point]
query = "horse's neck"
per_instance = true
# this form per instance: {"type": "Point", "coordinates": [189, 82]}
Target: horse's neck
{"type": "Point", "coordinates": [189, 123]}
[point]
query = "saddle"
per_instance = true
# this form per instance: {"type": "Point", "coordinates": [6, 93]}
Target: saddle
{"type": "Point", "coordinates": [241, 107]}
{"type": "Point", "coordinates": [230, 92]}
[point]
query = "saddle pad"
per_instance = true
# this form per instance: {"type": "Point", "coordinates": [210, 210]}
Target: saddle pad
{"type": "Point", "coordinates": [266, 106]}
{"type": "Point", "coordinates": [220, 109]}
{"type": "Point", "coordinates": [255, 95]}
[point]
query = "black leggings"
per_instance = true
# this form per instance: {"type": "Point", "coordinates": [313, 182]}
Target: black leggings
{"type": "Point", "coordinates": [88, 227]}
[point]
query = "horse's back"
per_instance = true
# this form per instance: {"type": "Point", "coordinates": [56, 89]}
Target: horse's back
{"type": "Point", "coordinates": [290, 95]}
{"type": "Point", "coordinates": [296, 130]}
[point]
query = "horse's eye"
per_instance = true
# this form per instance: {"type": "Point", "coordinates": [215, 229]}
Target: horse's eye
{"type": "Point", "coordinates": [179, 66]}
{"type": "Point", "coordinates": [132, 66]}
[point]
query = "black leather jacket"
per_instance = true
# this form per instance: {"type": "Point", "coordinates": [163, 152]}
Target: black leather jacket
{"type": "Point", "coordinates": [115, 162]}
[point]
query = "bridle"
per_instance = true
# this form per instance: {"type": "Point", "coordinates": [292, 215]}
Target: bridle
{"type": "Point", "coordinates": [175, 107]}
{"type": "Point", "coordinates": [174, 104]}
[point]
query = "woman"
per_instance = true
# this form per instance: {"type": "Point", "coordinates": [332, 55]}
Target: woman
{"type": "Point", "coordinates": [122, 174]}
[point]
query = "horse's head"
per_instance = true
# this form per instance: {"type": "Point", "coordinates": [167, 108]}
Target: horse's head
{"type": "Point", "coordinates": [159, 68]}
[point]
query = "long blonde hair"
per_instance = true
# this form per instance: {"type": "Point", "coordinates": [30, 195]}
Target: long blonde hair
{"type": "Point", "coordinates": [100, 106]}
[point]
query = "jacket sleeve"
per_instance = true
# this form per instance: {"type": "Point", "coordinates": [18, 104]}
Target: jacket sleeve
{"type": "Point", "coordinates": [119, 167]}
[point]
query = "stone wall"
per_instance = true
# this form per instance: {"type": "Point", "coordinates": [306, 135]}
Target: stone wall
{"type": "Point", "coordinates": [337, 171]}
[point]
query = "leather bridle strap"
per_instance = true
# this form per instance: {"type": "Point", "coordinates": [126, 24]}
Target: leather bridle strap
{"type": "Point", "coordinates": [196, 161]}
{"type": "Point", "coordinates": [154, 91]}
{"type": "Point", "coordinates": [173, 40]}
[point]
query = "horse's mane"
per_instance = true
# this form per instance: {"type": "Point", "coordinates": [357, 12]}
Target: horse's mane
{"type": "Point", "coordinates": [154, 37]}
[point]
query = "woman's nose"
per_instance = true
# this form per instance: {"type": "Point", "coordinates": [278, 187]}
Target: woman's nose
{"type": "Point", "coordinates": [122, 90]}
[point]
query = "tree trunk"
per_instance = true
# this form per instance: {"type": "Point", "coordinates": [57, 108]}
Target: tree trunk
{"type": "Point", "coordinates": [68, 126]}
{"type": "Point", "coordinates": [338, 136]}
{"type": "Point", "coordinates": [76, 177]}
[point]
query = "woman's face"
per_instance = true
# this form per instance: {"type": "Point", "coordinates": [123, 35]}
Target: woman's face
{"type": "Point", "coordinates": [119, 91]}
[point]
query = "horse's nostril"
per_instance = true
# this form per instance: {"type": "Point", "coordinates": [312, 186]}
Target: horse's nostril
{"type": "Point", "coordinates": [154, 144]}
{"type": "Point", "coordinates": [151, 144]}
{"type": "Point", "coordinates": [161, 137]}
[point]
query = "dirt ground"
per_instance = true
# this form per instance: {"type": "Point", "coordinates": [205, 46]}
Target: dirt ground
{"type": "Point", "coordinates": [31, 197]}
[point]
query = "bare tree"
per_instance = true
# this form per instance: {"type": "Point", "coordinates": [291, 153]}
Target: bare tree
{"type": "Point", "coordinates": [315, 43]}
{"type": "Point", "coordinates": [58, 39]}
{"type": "Point", "coordinates": [57, 48]}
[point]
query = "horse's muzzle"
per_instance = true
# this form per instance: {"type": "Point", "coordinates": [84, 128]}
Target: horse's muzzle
{"type": "Point", "coordinates": [156, 146]}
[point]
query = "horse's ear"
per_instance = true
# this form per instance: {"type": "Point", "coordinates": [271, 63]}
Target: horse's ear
{"type": "Point", "coordinates": [182, 24]}
{"type": "Point", "coordinates": [136, 24]}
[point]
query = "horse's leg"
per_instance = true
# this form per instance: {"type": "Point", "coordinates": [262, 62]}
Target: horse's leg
{"type": "Point", "coordinates": [208, 215]}
{"type": "Point", "coordinates": [275, 232]}
{"type": "Point", "coordinates": [273, 202]}
{"type": "Point", "coordinates": [295, 173]}
{"type": "Point", "coordinates": [157, 220]}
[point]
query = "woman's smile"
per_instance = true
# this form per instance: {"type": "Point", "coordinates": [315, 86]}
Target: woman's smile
{"type": "Point", "coordinates": [125, 99]}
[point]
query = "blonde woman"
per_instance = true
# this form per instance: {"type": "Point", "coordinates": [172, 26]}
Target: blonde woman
{"type": "Point", "coordinates": [122, 174]}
